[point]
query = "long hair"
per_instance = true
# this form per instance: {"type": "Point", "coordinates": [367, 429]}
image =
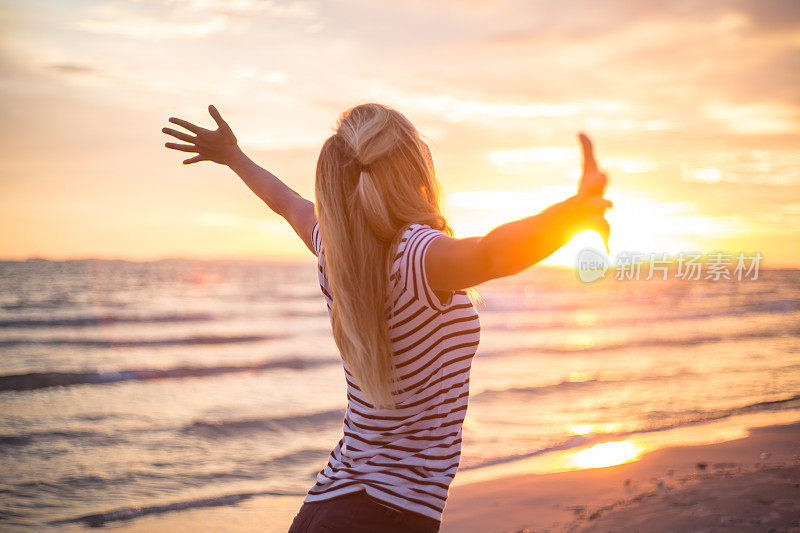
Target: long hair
{"type": "Point", "coordinates": [374, 178]}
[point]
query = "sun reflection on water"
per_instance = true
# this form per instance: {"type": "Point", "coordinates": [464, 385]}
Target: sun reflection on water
{"type": "Point", "coordinates": [577, 377]}
{"type": "Point", "coordinates": [583, 318]}
{"type": "Point", "coordinates": [580, 341]}
{"type": "Point", "coordinates": [607, 454]}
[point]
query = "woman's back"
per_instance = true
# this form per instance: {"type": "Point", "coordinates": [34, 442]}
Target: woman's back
{"type": "Point", "coordinates": [374, 171]}
{"type": "Point", "coordinates": [408, 456]}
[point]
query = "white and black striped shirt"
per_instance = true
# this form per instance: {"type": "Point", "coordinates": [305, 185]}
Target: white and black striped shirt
{"type": "Point", "coordinates": [407, 457]}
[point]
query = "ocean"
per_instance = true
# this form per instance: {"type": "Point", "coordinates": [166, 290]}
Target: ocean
{"type": "Point", "coordinates": [131, 388]}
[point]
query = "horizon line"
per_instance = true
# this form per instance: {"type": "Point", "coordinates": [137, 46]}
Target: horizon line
{"type": "Point", "coordinates": [278, 259]}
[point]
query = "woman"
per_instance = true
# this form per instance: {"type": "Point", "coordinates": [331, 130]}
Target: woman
{"type": "Point", "coordinates": [395, 282]}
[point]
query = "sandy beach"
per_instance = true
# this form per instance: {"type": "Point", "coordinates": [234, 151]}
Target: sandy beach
{"type": "Point", "coordinates": [745, 484]}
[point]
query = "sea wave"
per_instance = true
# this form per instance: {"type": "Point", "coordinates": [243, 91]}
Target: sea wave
{"type": "Point", "coordinates": [544, 321]}
{"type": "Point", "coordinates": [293, 458]}
{"type": "Point", "coordinates": [102, 320]}
{"type": "Point", "coordinates": [191, 340]}
{"type": "Point", "coordinates": [41, 380]}
{"type": "Point", "coordinates": [562, 386]}
{"type": "Point", "coordinates": [24, 439]}
{"type": "Point", "coordinates": [199, 340]}
{"type": "Point", "coordinates": [130, 513]}
{"type": "Point", "coordinates": [38, 380]}
{"type": "Point", "coordinates": [701, 417]}
{"type": "Point", "coordinates": [245, 426]}
{"type": "Point", "coordinates": [582, 384]}
{"type": "Point", "coordinates": [174, 476]}
{"type": "Point", "coordinates": [648, 342]}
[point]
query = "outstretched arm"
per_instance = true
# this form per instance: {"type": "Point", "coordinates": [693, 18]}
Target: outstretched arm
{"type": "Point", "coordinates": [453, 264]}
{"type": "Point", "coordinates": [297, 211]}
{"type": "Point", "coordinates": [220, 146]}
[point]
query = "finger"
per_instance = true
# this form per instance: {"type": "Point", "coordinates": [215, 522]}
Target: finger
{"type": "Point", "coordinates": [601, 226]}
{"type": "Point", "coordinates": [602, 180]}
{"type": "Point", "coordinates": [587, 152]}
{"type": "Point", "coordinates": [218, 118]}
{"type": "Point", "coordinates": [596, 205]}
{"type": "Point", "coordinates": [188, 125]}
{"type": "Point", "coordinates": [182, 147]}
{"type": "Point", "coordinates": [179, 135]}
{"type": "Point", "coordinates": [603, 205]}
{"type": "Point", "coordinates": [194, 159]}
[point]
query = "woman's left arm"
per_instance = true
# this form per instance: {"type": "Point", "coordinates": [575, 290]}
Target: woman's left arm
{"type": "Point", "coordinates": [221, 146]}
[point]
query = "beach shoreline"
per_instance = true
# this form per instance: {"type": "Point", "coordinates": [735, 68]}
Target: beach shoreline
{"type": "Point", "coordinates": [678, 488]}
{"type": "Point", "coordinates": [749, 481]}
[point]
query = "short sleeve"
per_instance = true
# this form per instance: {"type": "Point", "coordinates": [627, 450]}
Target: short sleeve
{"type": "Point", "coordinates": [316, 240]}
{"type": "Point", "coordinates": [409, 270]}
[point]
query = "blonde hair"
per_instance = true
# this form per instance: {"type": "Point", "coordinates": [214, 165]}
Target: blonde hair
{"type": "Point", "coordinates": [374, 178]}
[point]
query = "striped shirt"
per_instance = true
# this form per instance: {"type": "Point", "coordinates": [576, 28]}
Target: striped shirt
{"type": "Point", "coordinates": [407, 457]}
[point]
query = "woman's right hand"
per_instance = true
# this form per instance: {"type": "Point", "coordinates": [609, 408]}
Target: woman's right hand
{"type": "Point", "coordinates": [219, 146]}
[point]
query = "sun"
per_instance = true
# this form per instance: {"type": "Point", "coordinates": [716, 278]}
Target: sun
{"type": "Point", "coordinates": [639, 223]}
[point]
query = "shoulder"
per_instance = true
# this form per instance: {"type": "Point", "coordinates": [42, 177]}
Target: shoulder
{"type": "Point", "coordinates": [422, 232]}
{"type": "Point", "coordinates": [415, 240]}
{"type": "Point", "coordinates": [409, 270]}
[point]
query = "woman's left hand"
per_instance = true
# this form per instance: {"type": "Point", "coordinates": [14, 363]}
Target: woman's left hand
{"type": "Point", "coordinates": [219, 146]}
{"type": "Point", "coordinates": [591, 189]}
{"type": "Point", "coordinates": [593, 182]}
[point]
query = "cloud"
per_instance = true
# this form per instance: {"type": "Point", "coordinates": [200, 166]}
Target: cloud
{"type": "Point", "coordinates": [775, 15]}
{"type": "Point", "coordinates": [754, 167]}
{"type": "Point", "coordinates": [147, 28]}
{"type": "Point", "coordinates": [243, 8]}
{"type": "Point", "coordinates": [72, 68]}
{"type": "Point", "coordinates": [756, 118]}
{"type": "Point", "coordinates": [254, 73]}
{"type": "Point", "coordinates": [673, 58]}
{"type": "Point", "coordinates": [185, 19]}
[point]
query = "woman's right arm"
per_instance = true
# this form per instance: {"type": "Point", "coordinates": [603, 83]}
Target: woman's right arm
{"type": "Point", "coordinates": [221, 146]}
{"type": "Point", "coordinates": [282, 199]}
{"type": "Point", "coordinates": [453, 264]}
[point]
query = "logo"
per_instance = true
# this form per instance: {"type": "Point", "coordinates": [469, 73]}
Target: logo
{"type": "Point", "coordinates": [591, 265]}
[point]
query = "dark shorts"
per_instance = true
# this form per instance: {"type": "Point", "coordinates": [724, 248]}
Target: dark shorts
{"type": "Point", "coordinates": [359, 513]}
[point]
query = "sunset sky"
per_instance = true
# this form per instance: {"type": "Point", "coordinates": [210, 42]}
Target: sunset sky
{"type": "Point", "coordinates": [694, 108]}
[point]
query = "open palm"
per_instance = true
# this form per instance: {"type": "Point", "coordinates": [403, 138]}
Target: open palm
{"type": "Point", "coordinates": [219, 145]}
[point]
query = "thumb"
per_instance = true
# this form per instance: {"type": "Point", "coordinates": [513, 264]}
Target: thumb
{"type": "Point", "coordinates": [600, 225]}
{"type": "Point", "coordinates": [218, 118]}
{"type": "Point", "coordinates": [587, 154]}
